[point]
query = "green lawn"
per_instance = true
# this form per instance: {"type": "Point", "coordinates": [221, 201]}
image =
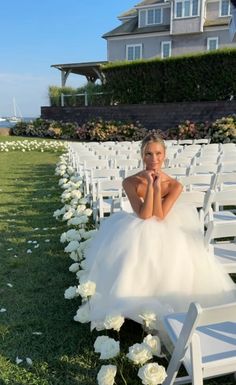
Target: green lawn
{"type": "Point", "coordinates": [63, 352]}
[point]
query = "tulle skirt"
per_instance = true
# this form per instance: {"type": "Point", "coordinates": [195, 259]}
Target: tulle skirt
{"type": "Point", "coordinates": [151, 265]}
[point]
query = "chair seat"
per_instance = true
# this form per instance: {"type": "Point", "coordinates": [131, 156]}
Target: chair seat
{"type": "Point", "coordinates": [217, 341]}
{"type": "Point", "coordinates": [223, 215]}
{"type": "Point", "coordinates": [226, 254]}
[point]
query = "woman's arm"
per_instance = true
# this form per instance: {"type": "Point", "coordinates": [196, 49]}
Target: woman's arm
{"type": "Point", "coordinates": [161, 207]}
{"type": "Point", "coordinates": [144, 209]}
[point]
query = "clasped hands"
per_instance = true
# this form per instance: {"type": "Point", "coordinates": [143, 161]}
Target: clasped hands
{"type": "Point", "coordinates": [153, 178]}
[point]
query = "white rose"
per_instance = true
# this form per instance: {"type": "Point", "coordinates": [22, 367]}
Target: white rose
{"type": "Point", "coordinates": [70, 170]}
{"type": "Point", "coordinates": [80, 208]}
{"type": "Point", "coordinates": [154, 343]}
{"type": "Point", "coordinates": [98, 325]}
{"type": "Point", "coordinates": [57, 213]}
{"type": "Point", "coordinates": [149, 319]}
{"type": "Point", "coordinates": [82, 314]}
{"type": "Point", "coordinates": [74, 267]}
{"type": "Point", "coordinates": [72, 246]}
{"type": "Point", "coordinates": [114, 322]}
{"type": "Point", "coordinates": [109, 349]}
{"type": "Point", "coordinates": [152, 374]}
{"type": "Point", "coordinates": [73, 235]}
{"type": "Point", "coordinates": [139, 353]}
{"type": "Point", "coordinates": [71, 292]}
{"type": "Point", "coordinates": [106, 375]}
{"type": "Point", "coordinates": [88, 212]}
{"type": "Point", "coordinates": [74, 256]}
{"type": "Point", "coordinates": [76, 194]}
{"type": "Point", "coordinates": [74, 221]}
{"type": "Point", "coordinates": [63, 238]}
{"type": "Point", "coordinates": [98, 343]}
{"type": "Point", "coordinates": [86, 289]}
{"type": "Point", "coordinates": [83, 201]}
{"type": "Point", "coordinates": [67, 215]}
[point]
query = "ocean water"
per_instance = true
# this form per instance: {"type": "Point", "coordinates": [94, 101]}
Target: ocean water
{"type": "Point", "coordinates": [9, 124]}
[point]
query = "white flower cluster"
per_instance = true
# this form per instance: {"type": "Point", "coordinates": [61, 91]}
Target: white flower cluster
{"type": "Point", "coordinates": [33, 145]}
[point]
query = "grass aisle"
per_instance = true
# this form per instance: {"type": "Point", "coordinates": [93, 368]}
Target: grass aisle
{"type": "Point", "coordinates": [63, 353]}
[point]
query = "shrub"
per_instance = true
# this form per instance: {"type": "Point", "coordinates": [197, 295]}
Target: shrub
{"type": "Point", "coordinates": [196, 77]}
{"type": "Point", "coordinates": [189, 130]}
{"type": "Point", "coordinates": [223, 130]}
{"type": "Point", "coordinates": [102, 130]}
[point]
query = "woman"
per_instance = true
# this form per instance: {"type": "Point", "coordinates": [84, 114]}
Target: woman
{"type": "Point", "coordinates": [153, 260]}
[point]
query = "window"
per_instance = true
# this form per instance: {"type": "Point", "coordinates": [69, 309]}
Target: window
{"type": "Point", "coordinates": [212, 43]}
{"type": "Point", "coordinates": [154, 16]}
{"type": "Point", "coordinates": [186, 8]}
{"type": "Point", "coordinates": [165, 49]}
{"type": "Point", "coordinates": [134, 52]}
{"type": "Point", "coordinates": [224, 7]}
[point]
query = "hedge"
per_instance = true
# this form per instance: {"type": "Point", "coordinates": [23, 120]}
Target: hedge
{"type": "Point", "coordinates": [199, 77]}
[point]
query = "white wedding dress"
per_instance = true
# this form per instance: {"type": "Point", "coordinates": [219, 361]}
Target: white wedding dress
{"type": "Point", "coordinates": [150, 265]}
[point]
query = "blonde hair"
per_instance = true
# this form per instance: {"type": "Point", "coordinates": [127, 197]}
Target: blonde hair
{"type": "Point", "coordinates": [151, 138]}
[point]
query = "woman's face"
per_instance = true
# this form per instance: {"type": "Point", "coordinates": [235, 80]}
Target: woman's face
{"type": "Point", "coordinates": [154, 155]}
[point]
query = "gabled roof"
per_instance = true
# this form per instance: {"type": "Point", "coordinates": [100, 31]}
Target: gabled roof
{"type": "Point", "coordinates": [149, 2]}
{"type": "Point", "coordinates": [131, 27]}
{"type": "Point", "coordinates": [133, 12]}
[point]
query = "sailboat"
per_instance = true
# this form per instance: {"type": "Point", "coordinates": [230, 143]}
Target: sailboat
{"type": "Point", "coordinates": [15, 118]}
{"type": "Point", "coordinates": [2, 119]}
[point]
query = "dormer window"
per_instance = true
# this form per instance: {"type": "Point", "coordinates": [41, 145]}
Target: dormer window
{"type": "Point", "coordinates": [186, 8]}
{"type": "Point", "coordinates": [153, 16]}
{"type": "Point", "coordinates": [225, 8]}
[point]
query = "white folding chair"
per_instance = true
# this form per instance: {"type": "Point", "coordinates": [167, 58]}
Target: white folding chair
{"type": "Point", "coordinates": [223, 181]}
{"type": "Point", "coordinates": [199, 182]}
{"type": "Point", "coordinates": [204, 341]}
{"type": "Point", "coordinates": [215, 201]}
{"type": "Point", "coordinates": [109, 193]}
{"type": "Point", "coordinates": [223, 249]}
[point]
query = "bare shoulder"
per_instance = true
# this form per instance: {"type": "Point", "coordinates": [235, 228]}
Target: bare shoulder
{"type": "Point", "coordinates": [132, 181]}
{"type": "Point", "coordinates": [173, 184]}
{"type": "Point", "coordinates": [176, 186]}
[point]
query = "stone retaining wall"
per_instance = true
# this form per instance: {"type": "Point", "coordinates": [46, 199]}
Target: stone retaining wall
{"type": "Point", "coordinates": [161, 115]}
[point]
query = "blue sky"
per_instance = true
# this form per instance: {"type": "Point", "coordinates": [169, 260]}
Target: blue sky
{"type": "Point", "coordinates": [38, 33]}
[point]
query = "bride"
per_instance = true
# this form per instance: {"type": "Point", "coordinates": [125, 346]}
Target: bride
{"type": "Point", "coordinates": [153, 259]}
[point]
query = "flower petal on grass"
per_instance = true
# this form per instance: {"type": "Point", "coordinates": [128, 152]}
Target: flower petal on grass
{"type": "Point", "coordinates": [29, 361]}
{"type": "Point", "coordinates": [3, 310]}
{"type": "Point", "coordinates": [18, 360]}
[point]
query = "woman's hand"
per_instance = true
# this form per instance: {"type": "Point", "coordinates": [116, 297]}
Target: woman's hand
{"type": "Point", "coordinates": [157, 182]}
{"type": "Point", "coordinates": [149, 176]}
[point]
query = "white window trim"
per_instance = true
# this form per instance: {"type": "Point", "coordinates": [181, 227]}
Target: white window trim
{"type": "Point", "coordinates": [133, 46]}
{"type": "Point", "coordinates": [146, 19]}
{"type": "Point", "coordinates": [216, 38]}
{"type": "Point", "coordinates": [162, 44]}
{"type": "Point", "coordinates": [220, 8]}
{"type": "Point", "coordinates": [191, 10]}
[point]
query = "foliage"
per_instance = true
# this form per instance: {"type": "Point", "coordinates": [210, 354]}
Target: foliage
{"type": "Point", "coordinates": [46, 128]}
{"type": "Point", "coordinates": [74, 96]}
{"type": "Point", "coordinates": [196, 77]}
{"type": "Point", "coordinates": [223, 130]}
{"type": "Point", "coordinates": [102, 130]}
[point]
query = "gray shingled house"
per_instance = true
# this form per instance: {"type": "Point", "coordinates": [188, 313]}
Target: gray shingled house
{"type": "Point", "coordinates": [163, 28]}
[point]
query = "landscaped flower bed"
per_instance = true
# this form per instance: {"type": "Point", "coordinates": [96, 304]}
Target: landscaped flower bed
{"type": "Point", "coordinates": [223, 130]}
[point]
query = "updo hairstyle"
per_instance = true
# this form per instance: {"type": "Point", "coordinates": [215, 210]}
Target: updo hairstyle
{"type": "Point", "coordinates": [151, 138]}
